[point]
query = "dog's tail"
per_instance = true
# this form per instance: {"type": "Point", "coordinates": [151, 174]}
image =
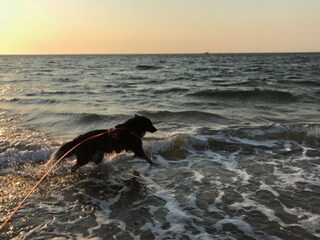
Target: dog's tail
{"type": "Point", "coordinates": [69, 149]}
{"type": "Point", "coordinates": [62, 150]}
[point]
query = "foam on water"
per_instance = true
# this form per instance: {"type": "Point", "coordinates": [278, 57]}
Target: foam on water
{"type": "Point", "coordinates": [173, 214]}
{"type": "Point", "coordinates": [266, 187]}
{"type": "Point", "coordinates": [198, 176]}
{"type": "Point", "coordinates": [244, 227]}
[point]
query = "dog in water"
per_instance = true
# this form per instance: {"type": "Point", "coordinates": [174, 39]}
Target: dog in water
{"type": "Point", "coordinates": [94, 144]}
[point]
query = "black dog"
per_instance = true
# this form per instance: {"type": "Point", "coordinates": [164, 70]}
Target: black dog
{"type": "Point", "coordinates": [92, 145]}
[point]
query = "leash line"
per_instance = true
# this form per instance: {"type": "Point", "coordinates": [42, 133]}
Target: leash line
{"type": "Point", "coordinates": [44, 176]}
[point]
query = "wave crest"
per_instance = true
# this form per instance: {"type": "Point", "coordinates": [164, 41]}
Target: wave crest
{"type": "Point", "coordinates": [148, 67]}
{"type": "Point", "coordinates": [199, 115]}
{"type": "Point", "coordinates": [246, 95]}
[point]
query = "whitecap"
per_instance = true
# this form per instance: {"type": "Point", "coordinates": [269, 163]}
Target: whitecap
{"type": "Point", "coordinates": [243, 226]}
{"type": "Point", "coordinates": [266, 143]}
{"type": "Point", "coordinates": [197, 176]}
{"type": "Point", "coordinates": [266, 187]}
{"type": "Point", "coordinates": [307, 220]}
{"type": "Point", "coordinates": [297, 175]}
{"type": "Point", "coordinates": [255, 206]}
{"type": "Point", "coordinates": [312, 224]}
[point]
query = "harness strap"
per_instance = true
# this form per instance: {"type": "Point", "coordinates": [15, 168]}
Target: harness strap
{"type": "Point", "coordinates": [115, 135]}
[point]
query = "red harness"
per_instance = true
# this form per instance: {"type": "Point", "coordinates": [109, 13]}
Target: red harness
{"type": "Point", "coordinates": [115, 135]}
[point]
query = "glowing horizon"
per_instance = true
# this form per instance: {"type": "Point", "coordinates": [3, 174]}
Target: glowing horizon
{"type": "Point", "coordinates": [147, 27]}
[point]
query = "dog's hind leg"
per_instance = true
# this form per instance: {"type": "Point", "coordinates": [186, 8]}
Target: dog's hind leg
{"type": "Point", "coordinates": [76, 166]}
{"type": "Point", "coordinates": [97, 157]}
{"type": "Point", "coordinates": [82, 159]}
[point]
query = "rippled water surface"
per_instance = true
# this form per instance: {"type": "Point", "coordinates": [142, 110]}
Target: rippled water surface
{"type": "Point", "coordinates": [237, 146]}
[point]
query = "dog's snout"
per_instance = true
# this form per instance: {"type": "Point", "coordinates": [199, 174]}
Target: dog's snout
{"type": "Point", "coordinates": [153, 129]}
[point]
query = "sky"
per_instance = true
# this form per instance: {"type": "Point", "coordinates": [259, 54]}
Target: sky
{"type": "Point", "coordinates": [158, 26]}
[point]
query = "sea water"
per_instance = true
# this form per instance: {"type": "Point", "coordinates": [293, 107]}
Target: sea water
{"type": "Point", "coordinates": [237, 146]}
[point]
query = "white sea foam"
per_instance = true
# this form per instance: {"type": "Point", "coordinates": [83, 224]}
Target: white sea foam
{"type": "Point", "coordinates": [103, 215]}
{"type": "Point", "coordinates": [18, 156]}
{"type": "Point", "coordinates": [255, 206]}
{"type": "Point", "coordinates": [244, 227]}
{"type": "Point", "coordinates": [312, 224]}
{"type": "Point", "coordinates": [266, 187]}
{"type": "Point", "coordinates": [265, 143]}
{"type": "Point", "coordinates": [297, 175]}
{"type": "Point", "coordinates": [198, 176]}
{"type": "Point", "coordinates": [307, 220]}
{"type": "Point", "coordinates": [303, 156]}
{"type": "Point", "coordinates": [243, 175]}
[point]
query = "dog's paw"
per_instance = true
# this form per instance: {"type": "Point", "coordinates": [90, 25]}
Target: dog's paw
{"type": "Point", "coordinates": [155, 163]}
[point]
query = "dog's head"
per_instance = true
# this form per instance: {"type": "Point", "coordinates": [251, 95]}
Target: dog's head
{"type": "Point", "coordinates": [139, 125]}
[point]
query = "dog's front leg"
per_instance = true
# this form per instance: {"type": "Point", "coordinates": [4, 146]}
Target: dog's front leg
{"type": "Point", "coordinates": [140, 153]}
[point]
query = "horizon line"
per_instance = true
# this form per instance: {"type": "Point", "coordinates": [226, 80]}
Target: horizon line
{"type": "Point", "coordinates": [195, 53]}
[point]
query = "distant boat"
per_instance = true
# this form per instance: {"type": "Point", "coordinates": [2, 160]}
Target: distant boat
{"type": "Point", "coordinates": [206, 53]}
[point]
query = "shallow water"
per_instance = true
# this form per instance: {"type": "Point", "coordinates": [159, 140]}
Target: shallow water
{"type": "Point", "coordinates": [237, 146]}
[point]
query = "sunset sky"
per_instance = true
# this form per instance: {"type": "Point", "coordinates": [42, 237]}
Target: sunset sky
{"type": "Point", "coordinates": [163, 26]}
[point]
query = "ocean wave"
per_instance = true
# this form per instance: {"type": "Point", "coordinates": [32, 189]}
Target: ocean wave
{"type": "Point", "coordinates": [296, 80]}
{"type": "Point", "coordinates": [89, 118]}
{"type": "Point", "coordinates": [203, 69]}
{"type": "Point", "coordinates": [279, 139]}
{"type": "Point", "coordinates": [68, 92]}
{"type": "Point", "coordinates": [276, 137]}
{"type": "Point", "coordinates": [29, 100]}
{"type": "Point", "coordinates": [9, 99]}
{"type": "Point", "coordinates": [170, 90]}
{"type": "Point", "coordinates": [19, 144]}
{"type": "Point", "coordinates": [13, 157]}
{"type": "Point", "coordinates": [246, 95]}
{"type": "Point", "coordinates": [253, 68]}
{"type": "Point", "coordinates": [196, 115]}
{"type": "Point", "coordinates": [64, 79]}
{"type": "Point", "coordinates": [303, 130]}
{"type": "Point", "coordinates": [148, 67]}
{"type": "Point", "coordinates": [137, 77]}
{"type": "Point", "coordinates": [90, 121]}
